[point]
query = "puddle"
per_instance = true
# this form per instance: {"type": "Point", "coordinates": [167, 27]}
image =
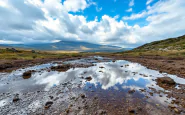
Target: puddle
{"type": "Point", "coordinates": [118, 86]}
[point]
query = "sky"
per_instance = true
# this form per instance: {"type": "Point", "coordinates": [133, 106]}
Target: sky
{"type": "Point", "coordinates": [124, 23]}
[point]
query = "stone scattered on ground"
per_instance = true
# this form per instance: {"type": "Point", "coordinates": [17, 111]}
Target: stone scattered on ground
{"type": "Point", "coordinates": [166, 82]}
{"type": "Point", "coordinates": [61, 68]}
{"type": "Point", "coordinates": [27, 74]}
{"type": "Point", "coordinates": [48, 104]}
{"type": "Point", "coordinates": [88, 78]}
{"type": "Point", "coordinates": [16, 98]}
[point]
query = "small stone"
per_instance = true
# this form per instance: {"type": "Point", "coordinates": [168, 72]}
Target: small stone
{"type": "Point", "coordinates": [131, 91]}
{"type": "Point", "coordinates": [131, 110]}
{"type": "Point", "coordinates": [171, 106]}
{"type": "Point", "coordinates": [48, 104]}
{"type": "Point", "coordinates": [27, 74]}
{"type": "Point", "coordinates": [101, 67]}
{"type": "Point", "coordinates": [88, 78]}
{"type": "Point", "coordinates": [101, 112]}
{"type": "Point", "coordinates": [16, 98]}
{"type": "Point", "coordinates": [82, 96]}
{"type": "Point", "coordinates": [51, 97]}
{"type": "Point", "coordinates": [177, 111]}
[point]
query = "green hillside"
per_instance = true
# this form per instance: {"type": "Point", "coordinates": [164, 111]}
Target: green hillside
{"type": "Point", "coordinates": [165, 45]}
{"type": "Point", "coordinates": [172, 47]}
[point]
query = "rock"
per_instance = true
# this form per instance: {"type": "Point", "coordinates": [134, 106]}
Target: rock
{"type": "Point", "coordinates": [142, 90]}
{"type": "Point", "coordinates": [177, 110]}
{"type": "Point", "coordinates": [166, 82]}
{"type": "Point", "coordinates": [27, 74]}
{"type": "Point", "coordinates": [51, 97]}
{"type": "Point", "coordinates": [82, 96]}
{"type": "Point", "coordinates": [171, 106]}
{"type": "Point", "coordinates": [101, 112]}
{"type": "Point", "coordinates": [48, 104]}
{"type": "Point", "coordinates": [88, 78]}
{"type": "Point", "coordinates": [96, 59]}
{"type": "Point", "coordinates": [16, 98]}
{"type": "Point", "coordinates": [131, 91]}
{"type": "Point", "coordinates": [131, 110]}
{"type": "Point", "coordinates": [61, 68]}
{"type": "Point", "coordinates": [101, 67]}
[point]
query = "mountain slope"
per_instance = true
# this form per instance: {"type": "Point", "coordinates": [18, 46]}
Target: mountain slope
{"type": "Point", "coordinates": [165, 45]}
{"type": "Point", "coordinates": [68, 46]}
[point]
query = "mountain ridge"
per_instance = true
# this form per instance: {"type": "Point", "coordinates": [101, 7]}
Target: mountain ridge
{"type": "Point", "coordinates": [68, 46]}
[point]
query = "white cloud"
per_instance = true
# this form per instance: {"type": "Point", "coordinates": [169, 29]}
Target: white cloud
{"type": "Point", "coordinates": [131, 3]}
{"type": "Point", "coordinates": [75, 5]}
{"type": "Point", "coordinates": [135, 16]}
{"type": "Point", "coordinates": [129, 10]}
{"type": "Point", "coordinates": [148, 2]}
{"type": "Point", "coordinates": [36, 21]}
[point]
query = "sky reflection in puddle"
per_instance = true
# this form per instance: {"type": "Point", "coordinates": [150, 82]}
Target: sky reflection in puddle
{"type": "Point", "coordinates": [111, 82]}
{"type": "Point", "coordinates": [115, 78]}
{"type": "Point", "coordinates": [108, 74]}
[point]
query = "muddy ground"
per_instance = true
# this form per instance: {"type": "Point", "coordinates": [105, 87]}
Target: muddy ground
{"type": "Point", "coordinates": [174, 66]}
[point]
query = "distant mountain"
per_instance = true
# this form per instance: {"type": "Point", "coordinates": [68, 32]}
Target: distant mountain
{"type": "Point", "coordinates": [165, 45]}
{"type": "Point", "coordinates": [68, 46]}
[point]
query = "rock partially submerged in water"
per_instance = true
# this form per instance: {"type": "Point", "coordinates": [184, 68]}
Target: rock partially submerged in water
{"type": "Point", "coordinates": [166, 82]}
{"type": "Point", "coordinates": [88, 78]}
{"type": "Point", "coordinates": [48, 104]}
{"type": "Point", "coordinates": [61, 68]}
{"type": "Point", "coordinates": [131, 91]}
{"type": "Point", "coordinates": [27, 74]}
{"type": "Point", "coordinates": [16, 98]}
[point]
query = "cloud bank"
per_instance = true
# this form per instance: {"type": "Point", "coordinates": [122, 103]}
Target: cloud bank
{"type": "Point", "coordinates": [33, 21]}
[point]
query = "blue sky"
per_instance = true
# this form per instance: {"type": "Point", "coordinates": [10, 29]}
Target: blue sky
{"type": "Point", "coordinates": [124, 23]}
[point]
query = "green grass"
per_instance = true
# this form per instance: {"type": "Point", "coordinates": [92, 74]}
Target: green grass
{"type": "Point", "coordinates": [171, 44]}
{"type": "Point", "coordinates": [28, 55]}
{"type": "Point", "coordinates": [173, 47]}
{"type": "Point", "coordinates": [8, 54]}
{"type": "Point", "coordinates": [168, 54]}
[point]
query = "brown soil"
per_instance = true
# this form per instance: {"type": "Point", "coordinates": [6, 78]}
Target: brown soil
{"type": "Point", "coordinates": [175, 66]}
{"type": "Point", "coordinates": [9, 65]}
